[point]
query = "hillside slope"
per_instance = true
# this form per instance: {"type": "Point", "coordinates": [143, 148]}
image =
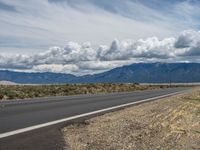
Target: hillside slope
{"type": "Point", "coordinates": [150, 73]}
{"type": "Point", "coordinates": [140, 72]}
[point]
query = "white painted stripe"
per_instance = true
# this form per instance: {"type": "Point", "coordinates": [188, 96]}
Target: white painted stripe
{"type": "Point", "coordinates": [3, 135]}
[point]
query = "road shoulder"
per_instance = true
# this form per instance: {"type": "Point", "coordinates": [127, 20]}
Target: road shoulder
{"type": "Point", "coordinates": [170, 123]}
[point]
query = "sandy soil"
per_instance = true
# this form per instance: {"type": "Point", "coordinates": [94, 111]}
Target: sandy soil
{"type": "Point", "coordinates": [7, 83]}
{"type": "Point", "coordinates": [170, 123]}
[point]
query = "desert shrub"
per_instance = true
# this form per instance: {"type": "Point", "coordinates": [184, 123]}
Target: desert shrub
{"type": "Point", "coordinates": [1, 96]}
{"type": "Point", "coordinates": [12, 95]}
{"type": "Point", "coordinates": [161, 86]}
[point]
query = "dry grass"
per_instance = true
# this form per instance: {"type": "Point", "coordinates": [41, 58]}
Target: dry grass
{"type": "Point", "coordinates": [31, 91]}
{"type": "Point", "coordinates": [170, 123]}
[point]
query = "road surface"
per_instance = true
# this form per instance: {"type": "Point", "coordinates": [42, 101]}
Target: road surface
{"type": "Point", "coordinates": [16, 115]}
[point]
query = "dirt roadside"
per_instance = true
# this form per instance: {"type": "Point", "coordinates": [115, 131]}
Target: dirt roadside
{"type": "Point", "coordinates": [169, 123]}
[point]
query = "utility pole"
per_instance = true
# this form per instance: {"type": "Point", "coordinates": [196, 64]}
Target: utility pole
{"type": "Point", "coordinates": [170, 79]}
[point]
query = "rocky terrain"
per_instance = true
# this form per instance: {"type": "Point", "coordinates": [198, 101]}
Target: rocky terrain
{"type": "Point", "coordinates": [169, 123]}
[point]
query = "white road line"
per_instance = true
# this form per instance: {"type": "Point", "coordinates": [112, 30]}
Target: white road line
{"type": "Point", "coordinates": [7, 134]}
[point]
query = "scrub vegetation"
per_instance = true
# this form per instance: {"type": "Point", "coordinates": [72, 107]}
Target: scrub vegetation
{"type": "Point", "coordinates": [32, 91]}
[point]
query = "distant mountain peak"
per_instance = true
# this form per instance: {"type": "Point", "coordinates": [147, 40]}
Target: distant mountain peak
{"type": "Point", "coordinates": [157, 72]}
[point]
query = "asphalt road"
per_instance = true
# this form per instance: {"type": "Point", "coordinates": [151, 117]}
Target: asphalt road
{"type": "Point", "coordinates": [20, 114]}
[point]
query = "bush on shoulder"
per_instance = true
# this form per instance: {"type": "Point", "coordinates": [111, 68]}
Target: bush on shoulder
{"type": "Point", "coordinates": [1, 96]}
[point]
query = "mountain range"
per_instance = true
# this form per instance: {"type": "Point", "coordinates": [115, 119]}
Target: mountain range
{"type": "Point", "coordinates": [138, 72]}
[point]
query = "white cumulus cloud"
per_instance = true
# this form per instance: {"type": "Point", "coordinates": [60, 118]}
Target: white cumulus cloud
{"type": "Point", "coordinates": [85, 58]}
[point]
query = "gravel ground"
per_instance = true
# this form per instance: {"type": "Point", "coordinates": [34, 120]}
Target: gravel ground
{"type": "Point", "coordinates": [170, 123]}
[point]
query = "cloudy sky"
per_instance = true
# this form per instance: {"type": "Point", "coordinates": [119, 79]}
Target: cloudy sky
{"type": "Point", "coordinates": [91, 36]}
